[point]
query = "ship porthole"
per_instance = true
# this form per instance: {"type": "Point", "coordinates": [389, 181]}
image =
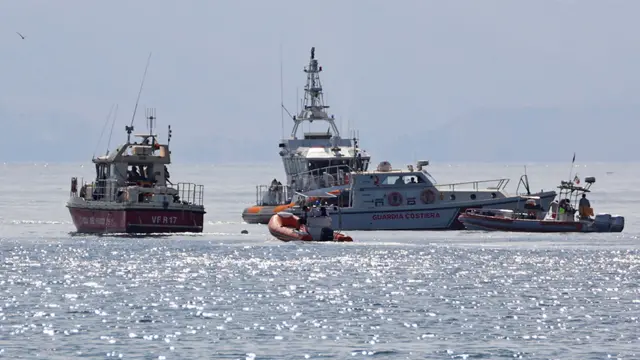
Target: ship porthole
{"type": "Point", "coordinates": [452, 197]}
{"type": "Point", "coordinates": [473, 196]}
{"type": "Point", "coordinates": [493, 195]}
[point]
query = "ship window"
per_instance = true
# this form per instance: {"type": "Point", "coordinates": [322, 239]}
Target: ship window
{"type": "Point", "coordinates": [452, 197]}
{"type": "Point", "coordinates": [429, 177]}
{"type": "Point", "coordinates": [473, 196]}
{"type": "Point", "coordinates": [300, 166]}
{"type": "Point", "coordinates": [393, 180]}
{"type": "Point", "coordinates": [140, 173]}
{"type": "Point", "coordinates": [102, 171]}
{"type": "Point", "coordinates": [318, 164]}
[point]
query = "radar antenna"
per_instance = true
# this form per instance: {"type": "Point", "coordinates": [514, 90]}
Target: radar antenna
{"type": "Point", "coordinates": [151, 119]}
{"type": "Point", "coordinates": [313, 107]}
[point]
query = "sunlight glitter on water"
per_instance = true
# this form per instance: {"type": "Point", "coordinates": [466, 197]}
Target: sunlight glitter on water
{"type": "Point", "coordinates": [225, 295]}
{"type": "Point", "coordinates": [379, 300]}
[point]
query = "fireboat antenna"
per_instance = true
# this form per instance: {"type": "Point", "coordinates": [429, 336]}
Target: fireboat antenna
{"type": "Point", "coordinates": [115, 115]}
{"type": "Point", "coordinates": [129, 128]}
{"type": "Point", "coordinates": [151, 117]}
{"type": "Point", "coordinates": [106, 121]}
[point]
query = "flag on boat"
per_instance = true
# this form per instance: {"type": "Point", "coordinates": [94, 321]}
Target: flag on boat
{"type": "Point", "coordinates": [574, 158]}
{"type": "Point", "coordinates": [576, 179]}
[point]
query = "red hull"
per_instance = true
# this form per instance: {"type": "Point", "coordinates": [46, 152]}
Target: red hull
{"type": "Point", "coordinates": [138, 221]}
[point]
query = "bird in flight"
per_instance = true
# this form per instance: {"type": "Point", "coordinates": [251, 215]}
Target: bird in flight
{"type": "Point", "coordinates": [20, 35]}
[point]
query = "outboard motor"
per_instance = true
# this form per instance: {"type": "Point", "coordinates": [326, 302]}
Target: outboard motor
{"type": "Point", "coordinates": [326, 234]}
{"type": "Point", "coordinates": [602, 222]}
{"type": "Point", "coordinates": [617, 223]}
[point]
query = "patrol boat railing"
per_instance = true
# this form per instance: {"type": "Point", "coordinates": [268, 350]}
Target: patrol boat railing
{"type": "Point", "coordinates": [273, 195]}
{"type": "Point", "coordinates": [494, 184]}
{"type": "Point", "coordinates": [325, 177]}
{"type": "Point", "coordinates": [329, 176]}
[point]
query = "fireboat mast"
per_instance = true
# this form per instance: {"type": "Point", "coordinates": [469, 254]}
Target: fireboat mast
{"type": "Point", "coordinates": [313, 107]}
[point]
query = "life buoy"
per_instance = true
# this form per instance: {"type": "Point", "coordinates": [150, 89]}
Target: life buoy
{"type": "Point", "coordinates": [346, 178]}
{"type": "Point", "coordinates": [427, 196]}
{"type": "Point", "coordinates": [74, 185]}
{"type": "Point", "coordinates": [394, 199]}
{"type": "Point", "coordinates": [376, 181]}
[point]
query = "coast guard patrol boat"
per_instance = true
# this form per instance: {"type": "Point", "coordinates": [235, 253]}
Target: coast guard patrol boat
{"type": "Point", "coordinates": [315, 160]}
{"type": "Point", "coordinates": [411, 199]}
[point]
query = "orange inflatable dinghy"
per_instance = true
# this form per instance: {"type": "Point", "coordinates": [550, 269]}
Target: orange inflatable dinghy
{"type": "Point", "coordinates": [288, 227]}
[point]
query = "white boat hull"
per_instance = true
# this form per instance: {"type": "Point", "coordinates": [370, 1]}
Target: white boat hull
{"type": "Point", "coordinates": [424, 217]}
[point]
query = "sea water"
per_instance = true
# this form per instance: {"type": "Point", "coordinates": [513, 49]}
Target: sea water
{"type": "Point", "coordinates": [397, 295]}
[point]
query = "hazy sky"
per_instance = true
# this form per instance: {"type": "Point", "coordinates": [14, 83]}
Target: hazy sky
{"type": "Point", "coordinates": [395, 70]}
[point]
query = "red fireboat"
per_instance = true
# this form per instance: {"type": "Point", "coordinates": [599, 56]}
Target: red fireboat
{"type": "Point", "coordinates": [132, 192]}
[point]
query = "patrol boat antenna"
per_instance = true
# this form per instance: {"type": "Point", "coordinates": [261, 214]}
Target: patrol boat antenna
{"type": "Point", "coordinates": [313, 107]}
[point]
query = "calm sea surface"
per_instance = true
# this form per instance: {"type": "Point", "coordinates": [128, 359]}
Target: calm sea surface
{"type": "Point", "coordinates": [388, 295]}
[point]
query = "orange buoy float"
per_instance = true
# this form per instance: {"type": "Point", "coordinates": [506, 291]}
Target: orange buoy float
{"type": "Point", "coordinates": [288, 227]}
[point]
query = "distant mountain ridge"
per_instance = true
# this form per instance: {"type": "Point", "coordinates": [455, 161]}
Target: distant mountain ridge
{"type": "Point", "coordinates": [536, 134]}
{"type": "Point", "coordinates": [489, 135]}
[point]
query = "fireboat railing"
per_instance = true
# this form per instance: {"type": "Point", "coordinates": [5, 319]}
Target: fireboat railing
{"type": "Point", "coordinates": [494, 184]}
{"type": "Point", "coordinates": [109, 190]}
{"type": "Point", "coordinates": [191, 193]}
{"type": "Point", "coordinates": [103, 190]}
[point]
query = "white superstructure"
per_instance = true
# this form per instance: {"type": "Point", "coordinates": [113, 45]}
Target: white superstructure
{"type": "Point", "coordinates": [321, 152]}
